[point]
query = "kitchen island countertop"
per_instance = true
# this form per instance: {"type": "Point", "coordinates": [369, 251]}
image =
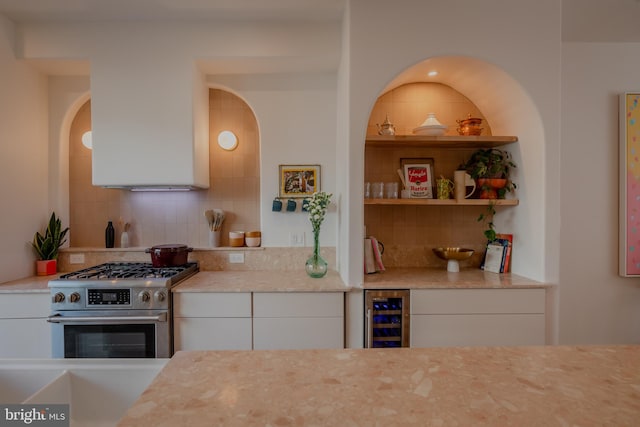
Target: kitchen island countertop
{"type": "Point", "coordinates": [465, 386]}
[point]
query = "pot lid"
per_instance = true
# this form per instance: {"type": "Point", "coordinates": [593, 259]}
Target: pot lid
{"type": "Point", "coordinates": [169, 247]}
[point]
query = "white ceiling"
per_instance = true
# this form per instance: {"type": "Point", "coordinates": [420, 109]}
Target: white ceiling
{"type": "Point", "coordinates": [601, 20]}
{"type": "Point", "coordinates": [117, 10]}
{"type": "Point", "coordinates": [582, 21]}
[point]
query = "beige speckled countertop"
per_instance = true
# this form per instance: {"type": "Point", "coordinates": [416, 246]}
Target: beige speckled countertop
{"type": "Point", "coordinates": [480, 386]}
{"type": "Point", "coordinates": [298, 281]}
{"type": "Point", "coordinates": [261, 281]}
{"type": "Point", "coordinates": [37, 284]}
{"type": "Point", "coordinates": [417, 278]}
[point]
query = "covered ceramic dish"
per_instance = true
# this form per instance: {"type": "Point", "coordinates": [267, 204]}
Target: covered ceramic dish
{"type": "Point", "coordinates": [431, 127]}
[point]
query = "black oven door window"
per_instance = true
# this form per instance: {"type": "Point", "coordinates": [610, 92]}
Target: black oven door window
{"type": "Point", "coordinates": [109, 341]}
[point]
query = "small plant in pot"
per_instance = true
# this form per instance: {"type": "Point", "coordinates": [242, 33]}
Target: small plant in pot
{"type": "Point", "coordinates": [48, 245]}
{"type": "Point", "coordinates": [490, 168]}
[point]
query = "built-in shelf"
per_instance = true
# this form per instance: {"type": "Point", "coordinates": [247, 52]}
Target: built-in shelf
{"type": "Point", "coordinates": [439, 141]}
{"type": "Point", "coordinates": [440, 202]}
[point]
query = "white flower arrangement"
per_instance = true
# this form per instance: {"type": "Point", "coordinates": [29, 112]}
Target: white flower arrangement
{"type": "Point", "coordinates": [317, 208]}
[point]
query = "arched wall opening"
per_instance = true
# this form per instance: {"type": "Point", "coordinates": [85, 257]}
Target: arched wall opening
{"type": "Point", "coordinates": [508, 110]}
{"type": "Point", "coordinates": [162, 217]}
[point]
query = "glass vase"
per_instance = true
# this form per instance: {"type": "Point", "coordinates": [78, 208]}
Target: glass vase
{"type": "Point", "coordinates": [315, 266]}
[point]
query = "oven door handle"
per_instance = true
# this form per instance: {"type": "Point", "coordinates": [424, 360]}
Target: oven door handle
{"type": "Point", "coordinates": [56, 318]}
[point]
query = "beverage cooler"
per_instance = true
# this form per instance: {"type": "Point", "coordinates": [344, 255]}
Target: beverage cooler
{"type": "Point", "coordinates": [387, 318]}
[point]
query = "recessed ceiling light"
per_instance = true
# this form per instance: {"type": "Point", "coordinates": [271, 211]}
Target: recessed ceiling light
{"type": "Point", "coordinates": [432, 73]}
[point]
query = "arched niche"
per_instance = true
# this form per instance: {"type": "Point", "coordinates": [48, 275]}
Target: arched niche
{"type": "Point", "coordinates": [163, 217]}
{"type": "Point", "coordinates": [508, 110]}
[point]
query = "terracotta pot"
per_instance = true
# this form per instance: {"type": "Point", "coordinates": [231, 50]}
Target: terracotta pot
{"type": "Point", "coordinates": [169, 255]}
{"type": "Point", "coordinates": [46, 267]}
{"type": "Point", "coordinates": [489, 186]}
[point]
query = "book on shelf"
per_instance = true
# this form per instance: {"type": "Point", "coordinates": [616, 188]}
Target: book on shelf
{"type": "Point", "coordinates": [506, 239]}
{"type": "Point", "coordinates": [498, 250]}
{"type": "Point", "coordinates": [369, 261]}
{"type": "Point", "coordinates": [372, 256]}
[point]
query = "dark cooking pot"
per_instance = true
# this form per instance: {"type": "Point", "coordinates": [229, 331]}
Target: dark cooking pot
{"type": "Point", "coordinates": [168, 255]}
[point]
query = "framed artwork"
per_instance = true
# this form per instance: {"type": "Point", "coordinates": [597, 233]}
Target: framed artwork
{"type": "Point", "coordinates": [299, 180]}
{"type": "Point", "coordinates": [418, 176]}
{"type": "Point", "coordinates": [629, 221]}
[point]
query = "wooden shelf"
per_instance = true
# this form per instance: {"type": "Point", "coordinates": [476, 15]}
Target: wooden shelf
{"type": "Point", "coordinates": [438, 202]}
{"type": "Point", "coordinates": [439, 141]}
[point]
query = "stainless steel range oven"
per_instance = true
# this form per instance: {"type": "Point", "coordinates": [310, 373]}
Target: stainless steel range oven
{"type": "Point", "coordinates": [115, 310]}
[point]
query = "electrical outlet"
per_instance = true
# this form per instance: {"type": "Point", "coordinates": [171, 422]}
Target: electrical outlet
{"type": "Point", "coordinates": [296, 238]}
{"type": "Point", "coordinates": [236, 258]}
{"type": "Point", "coordinates": [76, 259]}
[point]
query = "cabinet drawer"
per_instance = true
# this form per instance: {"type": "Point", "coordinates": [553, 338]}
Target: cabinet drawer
{"type": "Point", "coordinates": [24, 306]}
{"type": "Point", "coordinates": [212, 334]}
{"type": "Point", "coordinates": [187, 304]}
{"type": "Point", "coordinates": [298, 304]}
{"type": "Point", "coordinates": [477, 330]}
{"type": "Point", "coordinates": [469, 301]}
{"type": "Point", "coordinates": [295, 334]}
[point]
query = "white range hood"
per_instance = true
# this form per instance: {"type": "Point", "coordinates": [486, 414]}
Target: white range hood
{"type": "Point", "coordinates": [150, 123]}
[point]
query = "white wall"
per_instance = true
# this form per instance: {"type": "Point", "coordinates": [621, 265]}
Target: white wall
{"type": "Point", "coordinates": [23, 163]}
{"type": "Point", "coordinates": [296, 116]}
{"type": "Point", "coordinates": [596, 305]}
{"type": "Point", "coordinates": [386, 38]}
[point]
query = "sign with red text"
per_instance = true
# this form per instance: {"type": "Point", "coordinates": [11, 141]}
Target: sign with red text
{"type": "Point", "coordinates": [419, 179]}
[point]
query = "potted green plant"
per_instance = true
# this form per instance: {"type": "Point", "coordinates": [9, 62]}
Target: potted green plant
{"type": "Point", "coordinates": [48, 245]}
{"type": "Point", "coordinates": [490, 168]}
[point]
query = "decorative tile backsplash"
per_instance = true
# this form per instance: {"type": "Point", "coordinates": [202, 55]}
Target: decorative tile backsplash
{"type": "Point", "coordinates": [208, 259]}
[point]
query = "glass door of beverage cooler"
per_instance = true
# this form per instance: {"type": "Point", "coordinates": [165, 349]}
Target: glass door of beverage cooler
{"type": "Point", "coordinates": [387, 318]}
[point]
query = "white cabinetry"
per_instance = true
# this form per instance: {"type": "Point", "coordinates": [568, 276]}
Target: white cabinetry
{"type": "Point", "coordinates": [212, 321]}
{"type": "Point", "coordinates": [24, 331]}
{"type": "Point", "coordinates": [298, 320]}
{"type": "Point", "coordinates": [475, 317]}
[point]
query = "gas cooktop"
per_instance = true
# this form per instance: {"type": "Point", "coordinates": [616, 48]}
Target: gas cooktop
{"type": "Point", "coordinates": [129, 272]}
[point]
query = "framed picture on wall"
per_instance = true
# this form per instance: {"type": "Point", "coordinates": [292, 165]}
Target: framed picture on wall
{"type": "Point", "coordinates": [418, 176]}
{"type": "Point", "coordinates": [629, 221]}
{"type": "Point", "coordinates": [298, 180]}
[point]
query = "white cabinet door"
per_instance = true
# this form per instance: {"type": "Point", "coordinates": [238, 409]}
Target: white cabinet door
{"type": "Point", "coordinates": [210, 304]}
{"type": "Point", "coordinates": [212, 321]}
{"type": "Point", "coordinates": [470, 317]}
{"type": "Point", "coordinates": [298, 320]}
{"type": "Point", "coordinates": [441, 330]}
{"type": "Point", "coordinates": [212, 333]}
{"type": "Point", "coordinates": [24, 331]}
{"type": "Point", "coordinates": [25, 339]}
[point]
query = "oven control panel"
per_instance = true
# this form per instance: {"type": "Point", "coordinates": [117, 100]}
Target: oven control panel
{"type": "Point", "coordinates": [109, 296]}
{"type": "Point", "coordinates": [101, 298]}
